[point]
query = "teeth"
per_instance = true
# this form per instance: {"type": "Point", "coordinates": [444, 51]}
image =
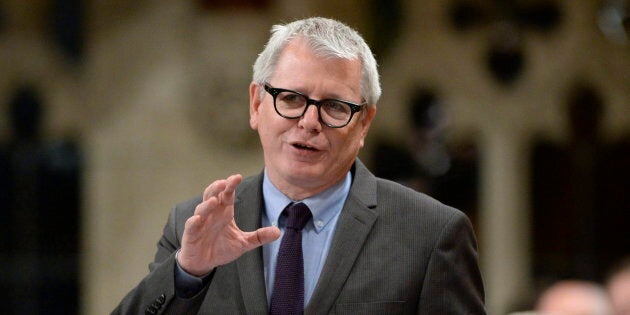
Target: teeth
{"type": "Point", "coordinates": [303, 146]}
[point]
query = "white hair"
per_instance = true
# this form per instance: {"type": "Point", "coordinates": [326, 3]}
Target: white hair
{"type": "Point", "coordinates": [328, 38]}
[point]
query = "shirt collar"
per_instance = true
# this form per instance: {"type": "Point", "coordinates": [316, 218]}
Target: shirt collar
{"type": "Point", "coordinates": [324, 206]}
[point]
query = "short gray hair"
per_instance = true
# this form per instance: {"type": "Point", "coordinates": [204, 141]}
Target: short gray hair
{"type": "Point", "coordinates": [327, 37]}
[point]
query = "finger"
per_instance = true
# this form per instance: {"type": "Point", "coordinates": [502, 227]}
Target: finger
{"type": "Point", "coordinates": [192, 227]}
{"type": "Point", "coordinates": [204, 209]}
{"type": "Point", "coordinates": [233, 181]}
{"type": "Point", "coordinates": [214, 189]}
{"type": "Point", "coordinates": [261, 237]}
{"type": "Point", "coordinates": [227, 196]}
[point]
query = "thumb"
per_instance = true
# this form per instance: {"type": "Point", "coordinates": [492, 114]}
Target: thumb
{"type": "Point", "coordinates": [262, 236]}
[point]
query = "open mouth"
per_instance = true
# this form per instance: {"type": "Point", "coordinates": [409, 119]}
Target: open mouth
{"type": "Point", "coordinates": [302, 146]}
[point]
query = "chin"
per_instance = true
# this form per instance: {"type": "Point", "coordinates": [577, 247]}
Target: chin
{"type": "Point", "coordinates": [302, 173]}
{"type": "Point", "coordinates": [308, 176]}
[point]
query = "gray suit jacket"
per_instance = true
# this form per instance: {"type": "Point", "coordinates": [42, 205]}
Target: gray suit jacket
{"type": "Point", "coordinates": [395, 251]}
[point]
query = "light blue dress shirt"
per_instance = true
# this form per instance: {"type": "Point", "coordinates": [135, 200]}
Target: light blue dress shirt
{"type": "Point", "coordinates": [317, 235]}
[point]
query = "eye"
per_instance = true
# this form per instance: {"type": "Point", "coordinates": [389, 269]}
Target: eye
{"type": "Point", "coordinates": [290, 98]}
{"type": "Point", "coordinates": [332, 106]}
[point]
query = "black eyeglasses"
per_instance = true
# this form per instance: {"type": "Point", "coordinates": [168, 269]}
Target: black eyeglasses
{"type": "Point", "coordinates": [332, 112]}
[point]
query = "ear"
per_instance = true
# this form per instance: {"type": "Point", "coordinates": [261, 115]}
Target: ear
{"type": "Point", "coordinates": [254, 105]}
{"type": "Point", "coordinates": [366, 122]}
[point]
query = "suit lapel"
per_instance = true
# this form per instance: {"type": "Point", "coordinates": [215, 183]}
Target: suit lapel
{"type": "Point", "coordinates": [248, 209]}
{"type": "Point", "coordinates": [354, 225]}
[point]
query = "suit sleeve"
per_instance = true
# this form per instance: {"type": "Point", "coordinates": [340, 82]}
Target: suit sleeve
{"type": "Point", "coordinates": [453, 283]}
{"type": "Point", "coordinates": [156, 292]}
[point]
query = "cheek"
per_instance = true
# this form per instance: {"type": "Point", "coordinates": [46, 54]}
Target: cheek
{"type": "Point", "coordinates": [266, 133]}
{"type": "Point", "coordinates": [271, 127]}
{"type": "Point", "coordinates": [351, 144]}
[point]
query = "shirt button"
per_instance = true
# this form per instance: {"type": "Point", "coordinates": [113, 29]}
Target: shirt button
{"type": "Point", "coordinates": [319, 223]}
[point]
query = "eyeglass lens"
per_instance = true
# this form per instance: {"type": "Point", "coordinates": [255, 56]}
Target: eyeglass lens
{"type": "Point", "coordinates": [292, 105]}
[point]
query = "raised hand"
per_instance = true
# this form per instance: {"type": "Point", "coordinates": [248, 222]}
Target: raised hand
{"type": "Point", "coordinates": [211, 237]}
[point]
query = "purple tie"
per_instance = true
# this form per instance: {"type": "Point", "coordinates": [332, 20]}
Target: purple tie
{"type": "Point", "coordinates": [288, 288]}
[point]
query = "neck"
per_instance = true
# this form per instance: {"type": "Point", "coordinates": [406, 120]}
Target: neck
{"type": "Point", "coordinates": [300, 191]}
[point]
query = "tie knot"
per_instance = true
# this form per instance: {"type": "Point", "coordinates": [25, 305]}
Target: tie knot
{"type": "Point", "coordinates": [297, 215]}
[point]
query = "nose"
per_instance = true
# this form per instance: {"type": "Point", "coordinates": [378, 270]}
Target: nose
{"type": "Point", "coordinates": [310, 120]}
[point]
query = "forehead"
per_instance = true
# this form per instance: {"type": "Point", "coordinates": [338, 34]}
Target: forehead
{"type": "Point", "coordinates": [300, 67]}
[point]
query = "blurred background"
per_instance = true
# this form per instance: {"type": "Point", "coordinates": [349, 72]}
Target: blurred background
{"type": "Point", "coordinates": [516, 112]}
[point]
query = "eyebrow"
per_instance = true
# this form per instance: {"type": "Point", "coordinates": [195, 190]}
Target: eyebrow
{"type": "Point", "coordinates": [334, 97]}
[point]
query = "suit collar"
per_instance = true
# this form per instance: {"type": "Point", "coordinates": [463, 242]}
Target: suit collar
{"type": "Point", "coordinates": [248, 208]}
{"type": "Point", "coordinates": [354, 225]}
{"type": "Point", "coordinates": [363, 185]}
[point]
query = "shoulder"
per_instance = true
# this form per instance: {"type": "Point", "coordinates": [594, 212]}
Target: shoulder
{"type": "Point", "coordinates": [394, 201]}
{"type": "Point", "coordinates": [417, 218]}
{"type": "Point", "coordinates": [397, 199]}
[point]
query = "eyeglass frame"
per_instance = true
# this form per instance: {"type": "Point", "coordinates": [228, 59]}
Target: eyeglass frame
{"type": "Point", "coordinates": [274, 92]}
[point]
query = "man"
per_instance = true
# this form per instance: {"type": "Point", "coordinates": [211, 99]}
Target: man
{"type": "Point", "coordinates": [618, 287]}
{"type": "Point", "coordinates": [574, 297]}
{"type": "Point", "coordinates": [368, 245]}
